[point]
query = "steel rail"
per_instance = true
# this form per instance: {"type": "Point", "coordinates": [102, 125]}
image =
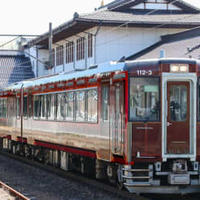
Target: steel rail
{"type": "Point", "coordinates": [13, 192]}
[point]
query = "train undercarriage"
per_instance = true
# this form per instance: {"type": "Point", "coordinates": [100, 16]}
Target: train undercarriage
{"type": "Point", "coordinates": [176, 176]}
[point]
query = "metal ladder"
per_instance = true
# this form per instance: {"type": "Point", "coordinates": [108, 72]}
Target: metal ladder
{"type": "Point", "coordinates": [137, 177]}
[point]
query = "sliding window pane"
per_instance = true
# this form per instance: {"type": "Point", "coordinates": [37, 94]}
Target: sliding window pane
{"type": "Point", "coordinates": [69, 106]}
{"type": "Point", "coordinates": [80, 106]}
{"type": "Point", "coordinates": [92, 105]}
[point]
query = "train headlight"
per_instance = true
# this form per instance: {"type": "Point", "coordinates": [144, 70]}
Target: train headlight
{"type": "Point", "coordinates": [174, 68]}
{"type": "Point", "coordinates": [184, 68]}
{"type": "Point", "coordinates": [179, 68]}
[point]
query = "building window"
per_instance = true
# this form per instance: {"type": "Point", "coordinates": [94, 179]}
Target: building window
{"type": "Point", "coordinates": [80, 49]}
{"type": "Point", "coordinates": [70, 52]}
{"type": "Point", "coordinates": [59, 55]}
{"type": "Point", "coordinates": [90, 45]}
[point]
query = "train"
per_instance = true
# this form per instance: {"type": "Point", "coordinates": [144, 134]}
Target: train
{"type": "Point", "coordinates": [134, 123]}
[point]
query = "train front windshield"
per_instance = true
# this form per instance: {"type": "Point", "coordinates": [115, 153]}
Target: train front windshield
{"type": "Point", "coordinates": [144, 99]}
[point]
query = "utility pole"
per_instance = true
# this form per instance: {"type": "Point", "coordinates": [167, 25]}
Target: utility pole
{"type": "Point", "coordinates": [50, 46]}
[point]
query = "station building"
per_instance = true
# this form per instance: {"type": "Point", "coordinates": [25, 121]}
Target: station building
{"type": "Point", "coordinates": [116, 31]}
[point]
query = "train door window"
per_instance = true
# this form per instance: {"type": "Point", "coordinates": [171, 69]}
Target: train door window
{"type": "Point", "coordinates": [69, 106]}
{"type": "Point", "coordinates": [144, 99]}
{"type": "Point", "coordinates": [92, 105]}
{"type": "Point", "coordinates": [61, 106]}
{"type": "Point", "coordinates": [178, 103]}
{"type": "Point", "coordinates": [36, 106]}
{"type": "Point", "coordinates": [25, 105]}
{"type": "Point", "coordinates": [29, 106]}
{"type": "Point", "coordinates": [80, 106]}
{"type": "Point", "coordinates": [18, 107]}
{"type": "Point", "coordinates": [105, 96]}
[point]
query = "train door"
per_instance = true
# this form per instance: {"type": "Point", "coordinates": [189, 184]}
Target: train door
{"type": "Point", "coordinates": [104, 152]}
{"type": "Point", "coordinates": [178, 117]}
{"type": "Point", "coordinates": [118, 118]}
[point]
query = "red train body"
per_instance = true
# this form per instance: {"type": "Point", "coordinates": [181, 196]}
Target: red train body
{"type": "Point", "coordinates": [136, 123]}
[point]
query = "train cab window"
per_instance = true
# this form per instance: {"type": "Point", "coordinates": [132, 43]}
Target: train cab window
{"type": "Point", "coordinates": [144, 99]}
{"type": "Point", "coordinates": [18, 107]}
{"type": "Point", "coordinates": [69, 106]}
{"type": "Point", "coordinates": [80, 106]}
{"type": "Point", "coordinates": [105, 96]}
{"type": "Point", "coordinates": [25, 105]}
{"type": "Point", "coordinates": [92, 105]}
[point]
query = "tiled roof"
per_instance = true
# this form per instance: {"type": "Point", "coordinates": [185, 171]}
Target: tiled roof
{"type": "Point", "coordinates": [121, 5]}
{"type": "Point", "coordinates": [14, 69]}
{"type": "Point", "coordinates": [106, 16]}
{"type": "Point", "coordinates": [187, 17]}
{"type": "Point", "coordinates": [182, 45]}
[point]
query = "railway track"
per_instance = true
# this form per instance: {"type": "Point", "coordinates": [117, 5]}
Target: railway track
{"type": "Point", "coordinates": [122, 194]}
{"type": "Point", "coordinates": [7, 192]}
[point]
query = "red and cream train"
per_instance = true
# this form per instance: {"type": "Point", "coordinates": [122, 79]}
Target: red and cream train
{"type": "Point", "coordinates": [135, 122]}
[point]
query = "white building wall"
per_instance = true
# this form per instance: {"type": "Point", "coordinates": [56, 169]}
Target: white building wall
{"type": "Point", "coordinates": [43, 57]}
{"type": "Point", "coordinates": [109, 43]}
{"type": "Point", "coordinates": [113, 44]}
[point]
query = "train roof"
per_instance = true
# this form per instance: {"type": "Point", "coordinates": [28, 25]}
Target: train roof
{"type": "Point", "coordinates": [101, 69]}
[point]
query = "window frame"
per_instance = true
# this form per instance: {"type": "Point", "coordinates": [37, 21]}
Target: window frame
{"type": "Point", "coordinates": [159, 89]}
{"type": "Point", "coordinates": [85, 90]}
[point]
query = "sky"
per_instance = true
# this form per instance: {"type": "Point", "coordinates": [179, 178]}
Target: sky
{"type": "Point", "coordinates": [33, 16]}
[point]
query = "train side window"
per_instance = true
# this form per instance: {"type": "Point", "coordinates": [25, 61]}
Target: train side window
{"type": "Point", "coordinates": [144, 99]}
{"type": "Point", "coordinates": [29, 106]}
{"type": "Point", "coordinates": [80, 106]}
{"type": "Point", "coordinates": [69, 106]}
{"type": "Point", "coordinates": [198, 100]}
{"type": "Point", "coordinates": [61, 106]}
{"type": "Point", "coordinates": [3, 108]}
{"type": "Point", "coordinates": [105, 96]}
{"type": "Point", "coordinates": [92, 105]}
{"type": "Point", "coordinates": [42, 109]}
{"type": "Point", "coordinates": [51, 106]}
{"type": "Point", "coordinates": [18, 107]}
{"type": "Point", "coordinates": [36, 106]}
{"type": "Point", "coordinates": [25, 105]}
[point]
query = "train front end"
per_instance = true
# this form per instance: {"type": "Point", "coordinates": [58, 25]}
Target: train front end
{"type": "Point", "coordinates": [163, 140]}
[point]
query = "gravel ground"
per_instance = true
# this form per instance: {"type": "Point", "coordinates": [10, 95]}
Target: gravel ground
{"type": "Point", "coordinates": [4, 195]}
{"type": "Point", "coordinates": [39, 184]}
